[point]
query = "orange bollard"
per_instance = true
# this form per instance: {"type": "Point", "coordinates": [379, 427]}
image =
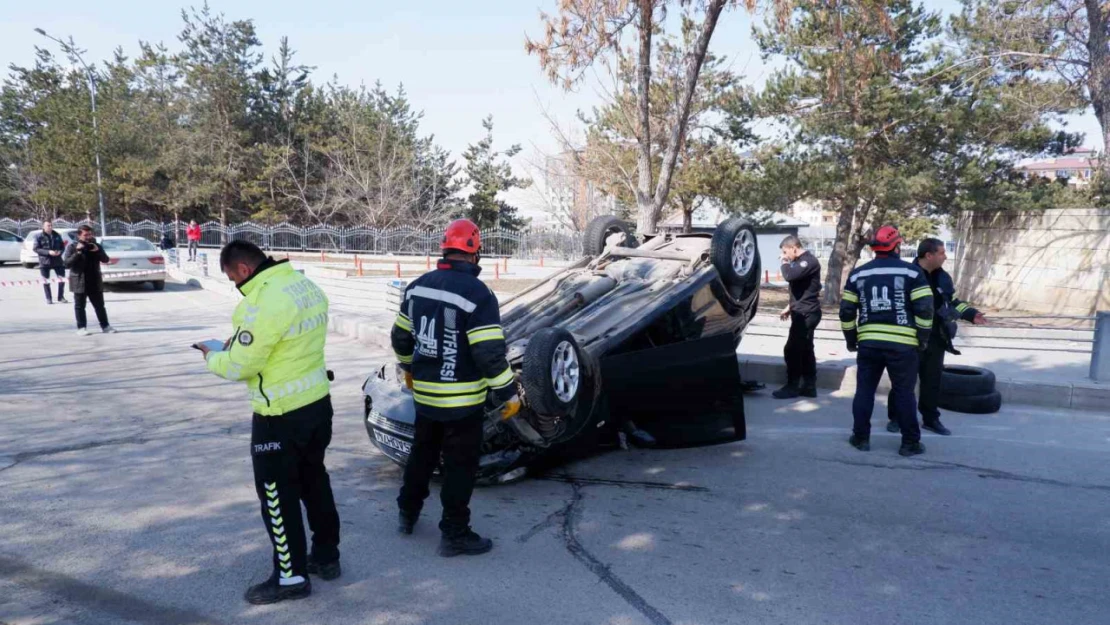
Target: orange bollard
{"type": "Point", "coordinates": [541, 261]}
{"type": "Point", "coordinates": [766, 277]}
{"type": "Point", "coordinates": [428, 263]}
{"type": "Point", "coordinates": [398, 270]}
{"type": "Point", "coordinates": [496, 271]}
{"type": "Point", "coordinates": [360, 267]}
{"type": "Point", "coordinates": [356, 261]}
{"type": "Point", "coordinates": [506, 264]}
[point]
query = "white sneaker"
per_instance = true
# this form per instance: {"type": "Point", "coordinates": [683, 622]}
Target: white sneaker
{"type": "Point", "coordinates": [108, 330]}
{"type": "Point", "coordinates": [82, 332]}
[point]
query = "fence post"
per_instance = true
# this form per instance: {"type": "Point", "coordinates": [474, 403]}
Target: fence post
{"type": "Point", "coordinates": [1100, 352]}
{"type": "Point", "coordinates": [203, 256]}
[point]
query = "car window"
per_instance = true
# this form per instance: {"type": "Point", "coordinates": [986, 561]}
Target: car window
{"type": "Point", "coordinates": [127, 245]}
{"type": "Point", "coordinates": [8, 237]}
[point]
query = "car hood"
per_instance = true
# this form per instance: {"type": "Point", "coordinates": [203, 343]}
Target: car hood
{"type": "Point", "coordinates": [390, 399]}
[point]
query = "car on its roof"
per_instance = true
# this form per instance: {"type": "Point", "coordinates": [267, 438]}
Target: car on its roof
{"type": "Point", "coordinates": [634, 329]}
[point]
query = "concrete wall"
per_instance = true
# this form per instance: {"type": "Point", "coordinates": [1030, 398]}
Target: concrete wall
{"type": "Point", "coordinates": [1055, 261]}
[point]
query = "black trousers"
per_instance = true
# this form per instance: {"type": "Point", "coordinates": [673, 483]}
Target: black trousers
{"type": "Point", "coordinates": [193, 245]}
{"type": "Point", "coordinates": [460, 444]}
{"type": "Point", "coordinates": [901, 365]}
{"type": "Point", "coordinates": [287, 452]}
{"type": "Point", "coordinates": [58, 271]}
{"type": "Point", "coordinates": [97, 299]}
{"type": "Point", "coordinates": [929, 372]}
{"type": "Point", "coordinates": [801, 362]}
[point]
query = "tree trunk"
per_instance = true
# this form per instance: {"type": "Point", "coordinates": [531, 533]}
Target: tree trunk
{"type": "Point", "coordinates": [688, 219]}
{"type": "Point", "coordinates": [644, 224]}
{"type": "Point", "coordinates": [223, 225]}
{"type": "Point", "coordinates": [841, 256]}
{"type": "Point", "coordinates": [695, 57]}
{"type": "Point", "coordinates": [1098, 81]}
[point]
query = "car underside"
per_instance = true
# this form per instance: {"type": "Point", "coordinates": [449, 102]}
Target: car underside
{"type": "Point", "coordinates": [646, 333]}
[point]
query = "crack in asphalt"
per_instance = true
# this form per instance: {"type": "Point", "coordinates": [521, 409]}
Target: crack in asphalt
{"type": "Point", "coordinates": [989, 474]}
{"type": "Point", "coordinates": [566, 519]}
{"type": "Point", "coordinates": [597, 481]}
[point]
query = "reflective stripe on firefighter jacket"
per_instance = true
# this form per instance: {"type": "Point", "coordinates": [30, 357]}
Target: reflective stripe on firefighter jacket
{"type": "Point", "coordinates": [281, 327]}
{"type": "Point", "coordinates": [887, 303]}
{"type": "Point", "coordinates": [448, 334]}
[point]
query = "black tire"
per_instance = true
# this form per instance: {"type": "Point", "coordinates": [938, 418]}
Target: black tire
{"type": "Point", "coordinates": [721, 253]}
{"type": "Point", "coordinates": [972, 404]}
{"type": "Point", "coordinates": [601, 228]}
{"type": "Point", "coordinates": [29, 265]}
{"type": "Point", "coordinates": [159, 285]}
{"type": "Point", "coordinates": [964, 381]}
{"type": "Point", "coordinates": [539, 387]}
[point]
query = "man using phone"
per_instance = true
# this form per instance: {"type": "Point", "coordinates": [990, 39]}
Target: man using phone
{"type": "Point", "coordinates": [83, 259]}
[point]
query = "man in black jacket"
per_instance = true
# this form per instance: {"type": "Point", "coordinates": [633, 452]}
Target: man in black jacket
{"type": "Point", "coordinates": [948, 309]}
{"type": "Point", "coordinates": [83, 259]}
{"type": "Point", "coordinates": [49, 245]}
{"type": "Point", "coordinates": [449, 341]}
{"type": "Point", "coordinates": [803, 272]}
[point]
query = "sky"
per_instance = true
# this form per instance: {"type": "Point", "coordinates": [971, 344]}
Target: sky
{"type": "Point", "coordinates": [459, 60]}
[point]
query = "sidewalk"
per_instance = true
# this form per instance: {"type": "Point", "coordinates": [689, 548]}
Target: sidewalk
{"type": "Point", "coordinates": [1041, 368]}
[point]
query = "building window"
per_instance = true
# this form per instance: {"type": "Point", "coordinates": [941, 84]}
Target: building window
{"type": "Point", "coordinates": [1063, 173]}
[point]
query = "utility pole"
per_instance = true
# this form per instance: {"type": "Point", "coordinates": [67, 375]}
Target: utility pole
{"type": "Point", "coordinates": [75, 55]}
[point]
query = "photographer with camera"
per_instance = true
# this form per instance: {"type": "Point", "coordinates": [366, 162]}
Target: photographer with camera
{"type": "Point", "coordinates": [83, 260]}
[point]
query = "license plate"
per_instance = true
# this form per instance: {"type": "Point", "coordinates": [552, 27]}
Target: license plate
{"type": "Point", "coordinates": [392, 442]}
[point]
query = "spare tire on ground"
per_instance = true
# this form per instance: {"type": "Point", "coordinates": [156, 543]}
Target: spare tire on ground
{"type": "Point", "coordinates": [986, 403]}
{"type": "Point", "coordinates": [964, 381]}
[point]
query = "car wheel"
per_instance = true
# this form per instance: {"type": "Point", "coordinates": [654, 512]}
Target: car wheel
{"type": "Point", "coordinates": [986, 403]}
{"type": "Point", "coordinates": [553, 372]}
{"type": "Point", "coordinates": [600, 229]}
{"type": "Point", "coordinates": [735, 254]}
{"type": "Point", "coordinates": [159, 285]}
{"type": "Point", "coordinates": [28, 265]}
{"type": "Point", "coordinates": [966, 381]}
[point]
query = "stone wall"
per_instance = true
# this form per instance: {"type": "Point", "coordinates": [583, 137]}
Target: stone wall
{"type": "Point", "coordinates": [1055, 261]}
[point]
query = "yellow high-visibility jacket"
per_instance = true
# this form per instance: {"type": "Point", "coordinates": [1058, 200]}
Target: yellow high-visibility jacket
{"type": "Point", "coordinates": [281, 327]}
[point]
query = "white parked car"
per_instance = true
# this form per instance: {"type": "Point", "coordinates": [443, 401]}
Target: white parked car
{"type": "Point", "coordinates": [10, 246]}
{"type": "Point", "coordinates": [27, 256]}
{"type": "Point", "coordinates": [129, 254]}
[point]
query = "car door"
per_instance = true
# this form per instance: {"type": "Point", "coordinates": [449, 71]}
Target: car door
{"type": "Point", "coordinates": [10, 244]}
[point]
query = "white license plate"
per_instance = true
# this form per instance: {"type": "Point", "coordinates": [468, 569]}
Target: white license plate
{"type": "Point", "coordinates": [393, 442]}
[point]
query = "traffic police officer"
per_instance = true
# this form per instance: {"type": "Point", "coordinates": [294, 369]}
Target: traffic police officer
{"type": "Point", "coordinates": [886, 313]}
{"type": "Point", "coordinates": [947, 310]}
{"type": "Point", "coordinates": [803, 273]}
{"type": "Point", "coordinates": [449, 341]}
{"type": "Point", "coordinates": [278, 351]}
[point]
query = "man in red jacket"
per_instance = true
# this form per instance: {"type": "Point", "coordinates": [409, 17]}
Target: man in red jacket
{"type": "Point", "coordinates": [192, 232]}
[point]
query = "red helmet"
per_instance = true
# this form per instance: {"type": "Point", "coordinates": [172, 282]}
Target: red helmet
{"type": "Point", "coordinates": [886, 239]}
{"type": "Point", "coordinates": [462, 235]}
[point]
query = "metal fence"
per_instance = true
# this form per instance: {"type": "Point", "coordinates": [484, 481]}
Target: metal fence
{"type": "Point", "coordinates": [356, 239]}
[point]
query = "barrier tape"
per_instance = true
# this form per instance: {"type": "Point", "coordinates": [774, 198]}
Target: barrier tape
{"type": "Point", "coordinates": [108, 274]}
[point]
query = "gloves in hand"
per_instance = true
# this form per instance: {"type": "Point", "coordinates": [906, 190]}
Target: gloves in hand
{"type": "Point", "coordinates": [408, 380]}
{"type": "Point", "coordinates": [511, 408]}
{"type": "Point", "coordinates": [852, 346]}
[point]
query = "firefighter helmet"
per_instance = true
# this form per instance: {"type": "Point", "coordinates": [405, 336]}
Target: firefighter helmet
{"type": "Point", "coordinates": [886, 239]}
{"type": "Point", "coordinates": [462, 235]}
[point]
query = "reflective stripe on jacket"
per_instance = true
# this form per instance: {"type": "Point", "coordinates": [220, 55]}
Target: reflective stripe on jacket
{"type": "Point", "coordinates": [281, 328]}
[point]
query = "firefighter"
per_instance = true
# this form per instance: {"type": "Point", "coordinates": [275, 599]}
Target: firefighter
{"type": "Point", "coordinates": [448, 340]}
{"type": "Point", "coordinates": [947, 310]}
{"type": "Point", "coordinates": [886, 312]}
{"type": "Point", "coordinates": [802, 271]}
{"type": "Point", "coordinates": [278, 351]}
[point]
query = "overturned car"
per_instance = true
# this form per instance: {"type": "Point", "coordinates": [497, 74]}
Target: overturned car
{"type": "Point", "coordinates": [646, 332]}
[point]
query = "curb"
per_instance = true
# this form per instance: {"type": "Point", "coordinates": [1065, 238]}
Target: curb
{"type": "Point", "coordinates": [1089, 396]}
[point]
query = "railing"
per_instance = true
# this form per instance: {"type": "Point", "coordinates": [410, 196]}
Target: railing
{"type": "Point", "coordinates": [286, 237]}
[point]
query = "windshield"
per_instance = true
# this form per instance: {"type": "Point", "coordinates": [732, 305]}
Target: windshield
{"type": "Point", "coordinates": [127, 245]}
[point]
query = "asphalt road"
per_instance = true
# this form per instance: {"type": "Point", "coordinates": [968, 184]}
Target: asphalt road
{"type": "Point", "coordinates": [126, 497]}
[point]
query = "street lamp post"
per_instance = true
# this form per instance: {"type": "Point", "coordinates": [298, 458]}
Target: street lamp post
{"type": "Point", "coordinates": [71, 50]}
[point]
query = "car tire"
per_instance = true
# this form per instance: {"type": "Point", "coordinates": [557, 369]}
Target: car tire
{"type": "Point", "coordinates": [553, 372]}
{"type": "Point", "coordinates": [734, 251]}
{"type": "Point", "coordinates": [159, 285]}
{"type": "Point", "coordinates": [986, 403]}
{"type": "Point", "coordinates": [29, 265]}
{"type": "Point", "coordinates": [601, 228]}
{"type": "Point", "coordinates": [964, 381]}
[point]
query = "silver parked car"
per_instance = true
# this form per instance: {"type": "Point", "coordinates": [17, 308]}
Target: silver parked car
{"type": "Point", "coordinates": [133, 254]}
{"type": "Point", "coordinates": [27, 256]}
